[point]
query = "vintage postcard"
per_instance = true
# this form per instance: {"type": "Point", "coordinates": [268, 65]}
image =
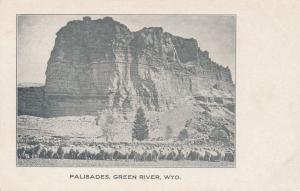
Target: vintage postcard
{"type": "Point", "coordinates": [149, 95]}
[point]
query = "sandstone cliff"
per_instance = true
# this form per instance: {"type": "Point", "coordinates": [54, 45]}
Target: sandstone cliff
{"type": "Point", "coordinates": [100, 64]}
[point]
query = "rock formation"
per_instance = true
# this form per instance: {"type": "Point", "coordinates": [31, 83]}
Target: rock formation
{"type": "Point", "coordinates": [100, 64]}
{"type": "Point", "coordinates": [31, 100]}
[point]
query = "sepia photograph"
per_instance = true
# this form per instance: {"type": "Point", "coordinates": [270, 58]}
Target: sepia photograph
{"type": "Point", "coordinates": [132, 91]}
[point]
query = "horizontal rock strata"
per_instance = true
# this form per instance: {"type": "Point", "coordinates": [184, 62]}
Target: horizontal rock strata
{"type": "Point", "coordinates": [100, 64]}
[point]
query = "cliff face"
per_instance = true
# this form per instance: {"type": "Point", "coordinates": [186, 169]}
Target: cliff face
{"type": "Point", "coordinates": [100, 64]}
{"type": "Point", "coordinates": [31, 100]}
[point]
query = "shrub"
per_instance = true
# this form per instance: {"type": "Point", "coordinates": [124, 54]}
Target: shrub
{"type": "Point", "coordinates": [183, 135]}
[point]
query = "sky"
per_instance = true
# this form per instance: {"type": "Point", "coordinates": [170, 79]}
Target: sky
{"type": "Point", "coordinates": [36, 36]}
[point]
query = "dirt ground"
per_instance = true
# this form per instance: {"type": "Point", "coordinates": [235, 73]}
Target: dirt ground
{"type": "Point", "coordinates": [120, 164]}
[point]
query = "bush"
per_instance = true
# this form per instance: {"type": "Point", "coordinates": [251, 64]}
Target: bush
{"type": "Point", "coordinates": [219, 135]}
{"type": "Point", "coordinates": [183, 135]}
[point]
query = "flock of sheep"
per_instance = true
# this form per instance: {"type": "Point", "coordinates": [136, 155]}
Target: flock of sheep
{"type": "Point", "coordinates": [135, 152]}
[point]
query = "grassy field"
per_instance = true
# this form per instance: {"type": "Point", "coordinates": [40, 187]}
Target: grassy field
{"type": "Point", "coordinates": [119, 164]}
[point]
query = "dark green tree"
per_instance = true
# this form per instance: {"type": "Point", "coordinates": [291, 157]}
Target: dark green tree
{"type": "Point", "coordinates": [140, 129]}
